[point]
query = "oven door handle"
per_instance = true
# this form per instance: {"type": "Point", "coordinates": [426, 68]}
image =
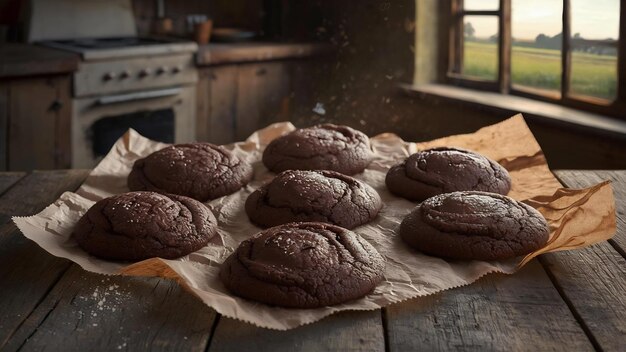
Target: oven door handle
{"type": "Point", "coordinates": [125, 98]}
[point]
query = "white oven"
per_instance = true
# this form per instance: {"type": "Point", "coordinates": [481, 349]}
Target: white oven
{"type": "Point", "coordinates": [123, 80]}
{"type": "Point", "coordinates": [153, 94]}
{"type": "Point", "coordinates": [165, 114]}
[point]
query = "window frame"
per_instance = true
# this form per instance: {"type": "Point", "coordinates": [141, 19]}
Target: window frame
{"type": "Point", "coordinates": [503, 83]}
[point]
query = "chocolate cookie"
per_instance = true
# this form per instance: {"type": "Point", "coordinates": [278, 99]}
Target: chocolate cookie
{"type": "Point", "coordinates": [325, 196]}
{"type": "Point", "coordinates": [322, 147]}
{"type": "Point", "coordinates": [443, 170]}
{"type": "Point", "coordinates": [140, 225]}
{"type": "Point", "coordinates": [202, 171]}
{"type": "Point", "coordinates": [303, 265]}
{"type": "Point", "coordinates": [474, 225]}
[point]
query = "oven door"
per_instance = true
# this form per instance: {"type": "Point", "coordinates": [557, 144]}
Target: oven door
{"type": "Point", "coordinates": [167, 115]}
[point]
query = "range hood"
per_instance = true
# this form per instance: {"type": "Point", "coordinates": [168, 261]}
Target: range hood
{"type": "Point", "coordinates": [73, 19]}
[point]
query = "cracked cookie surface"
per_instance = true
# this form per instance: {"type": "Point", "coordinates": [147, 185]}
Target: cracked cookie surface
{"type": "Point", "coordinates": [303, 265]}
{"type": "Point", "coordinates": [443, 170]}
{"type": "Point", "coordinates": [140, 225]}
{"type": "Point", "coordinates": [474, 225]}
{"type": "Point", "coordinates": [202, 171]}
{"type": "Point", "coordinates": [322, 147]}
{"type": "Point", "coordinates": [325, 196]}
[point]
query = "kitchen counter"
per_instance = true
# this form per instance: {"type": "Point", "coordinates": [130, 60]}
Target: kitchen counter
{"type": "Point", "coordinates": [566, 301]}
{"type": "Point", "coordinates": [18, 60]}
{"type": "Point", "coordinates": [223, 53]}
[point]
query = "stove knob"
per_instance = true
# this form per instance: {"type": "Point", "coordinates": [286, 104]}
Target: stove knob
{"type": "Point", "coordinates": [145, 72]}
{"type": "Point", "coordinates": [125, 74]}
{"type": "Point", "coordinates": [177, 69]}
{"type": "Point", "coordinates": [108, 76]}
{"type": "Point", "coordinates": [161, 70]}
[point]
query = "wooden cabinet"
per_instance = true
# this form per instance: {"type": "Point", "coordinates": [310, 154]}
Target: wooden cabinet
{"type": "Point", "coordinates": [35, 115]}
{"type": "Point", "coordinates": [217, 104]}
{"type": "Point", "coordinates": [262, 96]}
{"type": "Point", "coordinates": [246, 86]}
{"type": "Point", "coordinates": [235, 100]}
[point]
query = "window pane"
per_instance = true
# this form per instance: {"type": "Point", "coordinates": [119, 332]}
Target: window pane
{"type": "Point", "coordinates": [536, 27]}
{"type": "Point", "coordinates": [594, 72]}
{"type": "Point", "coordinates": [595, 19]}
{"type": "Point", "coordinates": [481, 4]}
{"type": "Point", "coordinates": [480, 47]}
{"type": "Point", "coordinates": [593, 64]}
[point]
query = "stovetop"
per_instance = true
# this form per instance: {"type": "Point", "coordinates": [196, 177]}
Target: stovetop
{"type": "Point", "coordinates": [110, 43]}
{"type": "Point", "coordinates": [106, 48]}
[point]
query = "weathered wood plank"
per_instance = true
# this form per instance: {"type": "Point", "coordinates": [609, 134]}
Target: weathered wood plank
{"type": "Point", "coordinates": [62, 107]}
{"type": "Point", "coordinates": [38, 189]}
{"type": "Point", "coordinates": [587, 178]}
{"type": "Point", "coordinates": [348, 331]}
{"type": "Point", "coordinates": [592, 280]}
{"type": "Point", "coordinates": [248, 108]}
{"type": "Point", "coordinates": [223, 104]}
{"type": "Point", "coordinates": [91, 312]}
{"type": "Point", "coordinates": [4, 124]}
{"type": "Point", "coordinates": [28, 148]}
{"type": "Point", "coordinates": [262, 96]}
{"type": "Point", "coordinates": [203, 112]}
{"type": "Point", "coordinates": [497, 313]}
{"type": "Point", "coordinates": [8, 179]}
{"type": "Point", "coordinates": [26, 271]}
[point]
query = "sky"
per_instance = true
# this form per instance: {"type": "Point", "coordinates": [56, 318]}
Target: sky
{"type": "Point", "coordinates": [593, 19]}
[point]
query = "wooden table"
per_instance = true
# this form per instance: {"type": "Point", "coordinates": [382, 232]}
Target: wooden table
{"type": "Point", "coordinates": [569, 301]}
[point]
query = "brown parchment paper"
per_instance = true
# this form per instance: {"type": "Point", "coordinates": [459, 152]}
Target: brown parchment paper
{"type": "Point", "coordinates": [577, 219]}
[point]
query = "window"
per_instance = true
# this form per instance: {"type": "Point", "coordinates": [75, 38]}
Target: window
{"type": "Point", "coordinates": [562, 51]}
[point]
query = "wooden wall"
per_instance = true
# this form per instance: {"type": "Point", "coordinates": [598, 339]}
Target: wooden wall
{"type": "Point", "coordinates": [237, 99]}
{"type": "Point", "coordinates": [374, 42]}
